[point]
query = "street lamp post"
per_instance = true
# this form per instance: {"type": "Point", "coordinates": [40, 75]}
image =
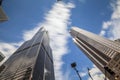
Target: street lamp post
{"type": "Point", "coordinates": [89, 74]}
{"type": "Point", "coordinates": [73, 65]}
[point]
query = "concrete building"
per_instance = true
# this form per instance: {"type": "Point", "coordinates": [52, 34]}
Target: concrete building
{"type": "Point", "coordinates": [104, 53]}
{"type": "Point", "coordinates": [32, 61]}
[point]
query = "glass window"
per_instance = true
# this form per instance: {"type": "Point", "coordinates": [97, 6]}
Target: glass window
{"type": "Point", "coordinates": [2, 68]}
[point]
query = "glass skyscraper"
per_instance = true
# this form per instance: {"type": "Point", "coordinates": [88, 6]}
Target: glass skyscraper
{"type": "Point", "coordinates": [32, 61]}
{"type": "Point", "coordinates": [104, 53]}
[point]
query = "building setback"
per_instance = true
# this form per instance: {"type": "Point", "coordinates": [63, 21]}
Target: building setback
{"type": "Point", "coordinates": [32, 61]}
{"type": "Point", "coordinates": [104, 53]}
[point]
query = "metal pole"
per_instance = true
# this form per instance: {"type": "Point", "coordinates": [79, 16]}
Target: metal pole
{"type": "Point", "coordinates": [90, 74]}
{"type": "Point", "coordinates": [78, 73]}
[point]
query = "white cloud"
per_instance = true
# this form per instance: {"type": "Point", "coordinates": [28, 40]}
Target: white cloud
{"type": "Point", "coordinates": [83, 74]}
{"type": "Point", "coordinates": [28, 34]}
{"type": "Point", "coordinates": [115, 21]}
{"type": "Point", "coordinates": [116, 8]}
{"type": "Point", "coordinates": [56, 22]}
{"type": "Point", "coordinates": [113, 27]}
{"type": "Point", "coordinates": [102, 33]}
{"type": "Point", "coordinates": [8, 48]}
{"type": "Point", "coordinates": [67, 73]}
{"type": "Point", "coordinates": [106, 25]}
{"type": "Point", "coordinates": [96, 73]}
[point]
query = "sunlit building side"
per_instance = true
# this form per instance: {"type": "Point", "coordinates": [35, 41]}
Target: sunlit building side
{"type": "Point", "coordinates": [32, 61]}
{"type": "Point", "coordinates": [104, 53]}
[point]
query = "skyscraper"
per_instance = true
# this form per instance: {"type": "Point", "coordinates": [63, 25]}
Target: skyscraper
{"type": "Point", "coordinates": [3, 16]}
{"type": "Point", "coordinates": [1, 56]}
{"type": "Point", "coordinates": [104, 53]}
{"type": "Point", "coordinates": [32, 61]}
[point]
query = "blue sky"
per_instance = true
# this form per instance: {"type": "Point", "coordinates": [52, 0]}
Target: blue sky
{"type": "Point", "coordinates": [27, 16]}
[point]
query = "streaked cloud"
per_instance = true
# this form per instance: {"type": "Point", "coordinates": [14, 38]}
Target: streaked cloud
{"type": "Point", "coordinates": [56, 22]}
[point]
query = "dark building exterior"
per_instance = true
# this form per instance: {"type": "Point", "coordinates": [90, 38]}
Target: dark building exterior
{"type": "Point", "coordinates": [1, 2]}
{"type": "Point", "coordinates": [32, 61]}
{"type": "Point", "coordinates": [3, 16]}
{"type": "Point", "coordinates": [1, 56]}
{"type": "Point", "coordinates": [104, 53]}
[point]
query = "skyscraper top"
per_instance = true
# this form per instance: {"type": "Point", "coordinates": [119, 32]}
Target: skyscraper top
{"type": "Point", "coordinates": [33, 60]}
{"type": "Point", "coordinates": [109, 43]}
{"type": "Point", "coordinates": [104, 53]}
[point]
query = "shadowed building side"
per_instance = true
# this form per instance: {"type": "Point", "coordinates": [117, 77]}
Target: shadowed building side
{"type": "Point", "coordinates": [1, 56]}
{"type": "Point", "coordinates": [102, 52]}
{"type": "Point", "coordinates": [32, 61]}
{"type": "Point", "coordinates": [3, 16]}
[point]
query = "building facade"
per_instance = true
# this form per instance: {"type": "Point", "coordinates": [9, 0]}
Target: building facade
{"type": "Point", "coordinates": [104, 53]}
{"type": "Point", "coordinates": [3, 16]}
{"type": "Point", "coordinates": [32, 61]}
{"type": "Point", "coordinates": [1, 56]}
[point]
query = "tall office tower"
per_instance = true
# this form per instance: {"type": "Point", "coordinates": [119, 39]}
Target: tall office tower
{"type": "Point", "coordinates": [3, 16]}
{"type": "Point", "coordinates": [32, 61]}
{"type": "Point", "coordinates": [104, 53]}
{"type": "Point", "coordinates": [1, 56]}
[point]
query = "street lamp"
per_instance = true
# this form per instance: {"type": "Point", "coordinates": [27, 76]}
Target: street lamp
{"type": "Point", "coordinates": [73, 65]}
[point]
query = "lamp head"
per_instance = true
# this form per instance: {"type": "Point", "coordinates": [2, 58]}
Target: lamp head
{"type": "Point", "coordinates": [73, 65]}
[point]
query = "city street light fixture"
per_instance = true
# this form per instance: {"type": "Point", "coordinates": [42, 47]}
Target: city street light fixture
{"type": "Point", "coordinates": [73, 65]}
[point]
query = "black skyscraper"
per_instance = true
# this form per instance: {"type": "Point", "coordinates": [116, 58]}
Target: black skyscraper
{"type": "Point", "coordinates": [32, 61]}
